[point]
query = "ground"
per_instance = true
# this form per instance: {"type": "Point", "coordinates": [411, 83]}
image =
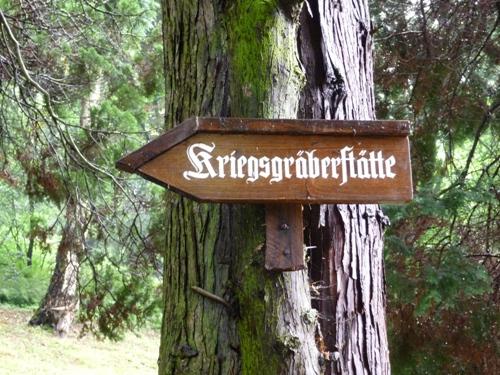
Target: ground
{"type": "Point", "coordinates": [32, 350]}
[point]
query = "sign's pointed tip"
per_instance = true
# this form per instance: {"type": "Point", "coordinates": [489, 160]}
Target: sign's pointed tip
{"type": "Point", "coordinates": [122, 165]}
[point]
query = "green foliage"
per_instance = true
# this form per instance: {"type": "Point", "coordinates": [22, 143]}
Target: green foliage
{"type": "Point", "coordinates": [90, 59]}
{"type": "Point", "coordinates": [125, 302]}
{"type": "Point", "coordinates": [438, 67]}
{"type": "Point", "coordinates": [20, 284]}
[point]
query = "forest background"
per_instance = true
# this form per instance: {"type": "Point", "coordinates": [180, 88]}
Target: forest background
{"type": "Point", "coordinates": [81, 83]}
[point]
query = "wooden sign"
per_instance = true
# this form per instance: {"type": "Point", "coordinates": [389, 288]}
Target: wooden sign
{"type": "Point", "coordinates": [233, 160]}
{"type": "Point", "coordinates": [272, 161]}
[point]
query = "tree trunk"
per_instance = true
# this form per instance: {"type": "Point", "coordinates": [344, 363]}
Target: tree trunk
{"type": "Point", "coordinates": [61, 302]}
{"type": "Point", "coordinates": [221, 59]}
{"type": "Point", "coordinates": [223, 313]}
{"type": "Point", "coordinates": [347, 263]}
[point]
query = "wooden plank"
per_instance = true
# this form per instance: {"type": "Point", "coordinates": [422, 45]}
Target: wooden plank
{"type": "Point", "coordinates": [235, 125]}
{"type": "Point", "coordinates": [220, 125]}
{"type": "Point", "coordinates": [356, 169]}
{"type": "Point", "coordinates": [284, 238]}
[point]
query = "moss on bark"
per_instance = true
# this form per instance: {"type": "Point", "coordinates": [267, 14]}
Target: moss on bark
{"type": "Point", "coordinates": [266, 78]}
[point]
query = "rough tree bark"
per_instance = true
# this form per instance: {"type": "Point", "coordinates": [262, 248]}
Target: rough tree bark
{"type": "Point", "coordinates": [61, 301]}
{"type": "Point", "coordinates": [347, 265]}
{"type": "Point", "coordinates": [223, 313]}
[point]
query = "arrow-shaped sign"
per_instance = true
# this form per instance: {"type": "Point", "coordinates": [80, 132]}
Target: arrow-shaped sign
{"type": "Point", "coordinates": [280, 161]}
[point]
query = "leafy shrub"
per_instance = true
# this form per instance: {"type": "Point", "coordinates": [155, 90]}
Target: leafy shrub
{"type": "Point", "coordinates": [20, 284]}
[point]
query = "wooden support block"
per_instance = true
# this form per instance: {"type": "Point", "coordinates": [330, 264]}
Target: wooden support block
{"type": "Point", "coordinates": [284, 237]}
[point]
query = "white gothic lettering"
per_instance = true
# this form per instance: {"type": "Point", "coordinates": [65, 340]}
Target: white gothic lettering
{"type": "Point", "coordinates": [350, 164]}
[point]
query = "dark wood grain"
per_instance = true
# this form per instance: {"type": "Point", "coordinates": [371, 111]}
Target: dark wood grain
{"type": "Point", "coordinates": [284, 238]}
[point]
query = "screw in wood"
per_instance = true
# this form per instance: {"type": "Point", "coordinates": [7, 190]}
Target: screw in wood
{"type": "Point", "coordinates": [284, 226]}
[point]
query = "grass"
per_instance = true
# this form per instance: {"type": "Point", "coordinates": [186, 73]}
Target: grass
{"type": "Point", "coordinates": [33, 350]}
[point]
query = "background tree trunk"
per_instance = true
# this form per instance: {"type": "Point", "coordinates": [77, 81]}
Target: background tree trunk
{"type": "Point", "coordinates": [61, 302]}
{"type": "Point", "coordinates": [347, 264]}
{"type": "Point", "coordinates": [224, 314]}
